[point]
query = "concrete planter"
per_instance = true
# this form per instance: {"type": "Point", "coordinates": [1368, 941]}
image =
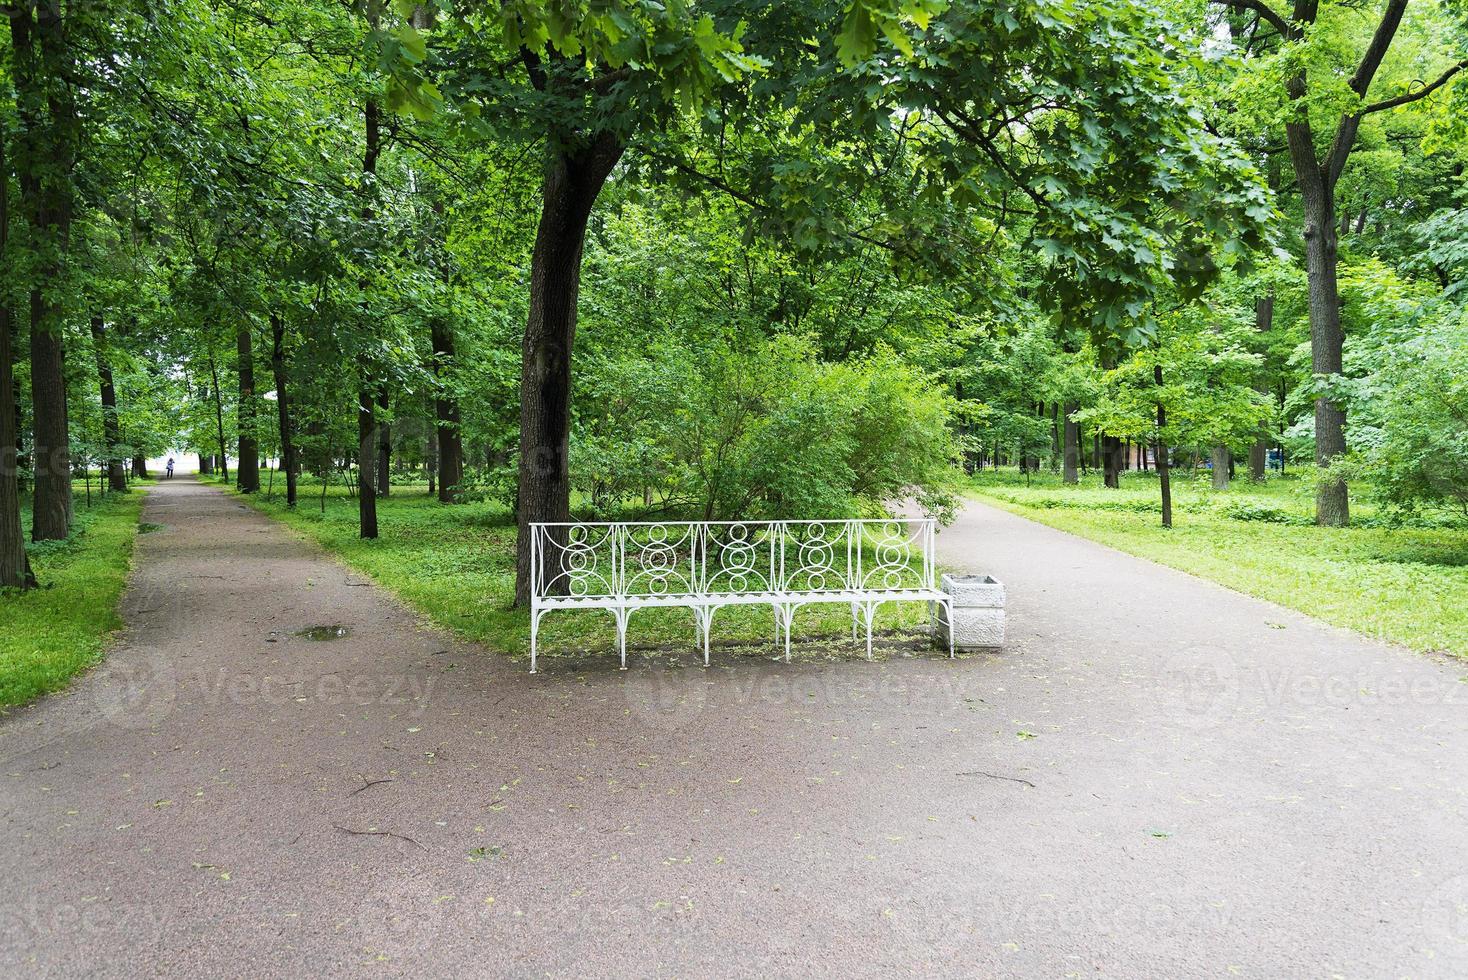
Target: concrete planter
{"type": "Point", "coordinates": [978, 612]}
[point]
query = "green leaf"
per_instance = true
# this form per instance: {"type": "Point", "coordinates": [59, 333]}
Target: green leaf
{"type": "Point", "coordinates": [412, 42]}
{"type": "Point", "coordinates": [858, 36]}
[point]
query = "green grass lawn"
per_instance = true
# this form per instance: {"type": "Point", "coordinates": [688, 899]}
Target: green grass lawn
{"type": "Point", "coordinates": [1405, 582]}
{"type": "Point", "coordinates": [456, 565]}
{"type": "Point", "coordinates": [52, 633]}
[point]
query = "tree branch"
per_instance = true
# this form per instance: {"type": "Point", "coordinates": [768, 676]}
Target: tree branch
{"type": "Point", "coordinates": [1340, 148]}
{"type": "Point", "coordinates": [1391, 18]}
{"type": "Point", "coordinates": [1266, 12]}
{"type": "Point", "coordinates": [602, 84]}
{"type": "Point", "coordinates": [534, 69]}
{"type": "Point", "coordinates": [1421, 93]}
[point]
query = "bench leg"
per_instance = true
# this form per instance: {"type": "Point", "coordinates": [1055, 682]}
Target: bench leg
{"type": "Point", "coordinates": [948, 621]}
{"type": "Point", "coordinates": [870, 612]}
{"type": "Point", "coordinates": [784, 620]}
{"type": "Point", "coordinates": [534, 631]}
{"type": "Point", "coordinates": [705, 619]}
{"type": "Point", "coordinates": [621, 615]}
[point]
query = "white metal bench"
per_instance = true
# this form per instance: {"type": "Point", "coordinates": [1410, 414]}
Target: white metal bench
{"type": "Point", "coordinates": [707, 565]}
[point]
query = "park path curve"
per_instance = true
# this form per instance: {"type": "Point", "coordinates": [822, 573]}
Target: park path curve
{"type": "Point", "coordinates": [1156, 778]}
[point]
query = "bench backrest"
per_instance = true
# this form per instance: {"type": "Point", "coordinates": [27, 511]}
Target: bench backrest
{"type": "Point", "coordinates": [638, 560]}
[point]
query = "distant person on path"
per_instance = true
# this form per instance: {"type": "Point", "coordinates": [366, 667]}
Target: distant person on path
{"type": "Point", "coordinates": [170, 468]}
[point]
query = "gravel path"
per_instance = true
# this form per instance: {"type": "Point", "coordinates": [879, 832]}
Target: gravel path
{"type": "Point", "coordinates": [1156, 778]}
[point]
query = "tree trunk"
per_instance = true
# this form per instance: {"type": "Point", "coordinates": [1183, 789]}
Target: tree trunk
{"type": "Point", "coordinates": [1164, 471]}
{"type": "Point", "coordinates": [316, 453]}
{"type": "Point", "coordinates": [1259, 459]}
{"type": "Point", "coordinates": [1327, 337]}
{"type": "Point", "coordinates": [140, 467]}
{"type": "Point", "coordinates": [283, 407]}
{"type": "Point", "coordinates": [1221, 457]}
{"type": "Point", "coordinates": [1317, 183]}
{"type": "Point", "coordinates": [1259, 451]}
{"type": "Point", "coordinates": [384, 448]}
{"type": "Point", "coordinates": [1072, 445]}
{"type": "Point", "coordinates": [431, 461]}
{"type": "Point", "coordinates": [49, 134]}
{"type": "Point", "coordinates": [111, 430]}
{"type": "Point", "coordinates": [366, 464]}
{"type": "Point", "coordinates": [247, 465]}
{"type": "Point", "coordinates": [366, 404]}
{"type": "Point", "coordinates": [206, 464]}
{"type": "Point", "coordinates": [15, 568]}
{"type": "Point", "coordinates": [22, 461]}
{"type": "Point", "coordinates": [1054, 437]}
{"type": "Point", "coordinates": [219, 418]}
{"type": "Point", "coordinates": [570, 188]}
{"type": "Point", "coordinates": [446, 411]}
{"type": "Point", "coordinates": [1111, 460]}
{"type": "Point", "coordinates": [51, 498]}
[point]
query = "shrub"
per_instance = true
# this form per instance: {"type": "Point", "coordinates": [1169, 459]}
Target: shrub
{"type": "Point", "coordinates": [766, 431]}
{"type": "Point", "coordinates": [1243, 510]}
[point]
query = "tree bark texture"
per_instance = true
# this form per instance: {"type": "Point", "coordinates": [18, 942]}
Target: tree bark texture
{"type": "Point", "coordinates": [15, 568]}
{"type": "Point", "coordinates": [111, 428]}
{"type": "Point", "coordinates": [283, 407]}
{"type": "Point", "coordinates": [1259, 451]}
{"type": "Point", "coordinates": [1164, 469]}
{"type": "Point", "coordinates": [366, 464]}
{"type": "Point", "coordinates": [219, 418]}
{"type": "Point", "coordinates": [247, 466]}
{"type": "Point", "coordinates": [446, 412]}
{"type": "Point", "coordinates": [1220, 458]}
{"type": "Point", "coordinates": [384, 448]}
{"type": "Point", "coordinates": [366, 401]}
{"type": "Point", "coordinates": [1111, 460]}
{"type": "Point", "coordinates": [1327, 339]}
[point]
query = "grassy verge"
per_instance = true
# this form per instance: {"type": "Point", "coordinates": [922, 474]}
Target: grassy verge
{"type": "Point", "coordinates": [1400, 582]}
{"type": "Point", "coordinates": [456, 565]}
{"type": "Point", "coordinates": [52, 633]}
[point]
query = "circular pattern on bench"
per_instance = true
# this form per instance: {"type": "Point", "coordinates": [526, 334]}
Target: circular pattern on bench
{"type": "Point", "coordinates": [735, 560]}
{"type": "Point", "coordinates": [892, 548]}
{"type": "Point", "coordinates": [816, 569]}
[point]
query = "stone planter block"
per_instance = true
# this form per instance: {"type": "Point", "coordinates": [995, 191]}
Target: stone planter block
{"type": "Point", "coordinates": [978, 612]}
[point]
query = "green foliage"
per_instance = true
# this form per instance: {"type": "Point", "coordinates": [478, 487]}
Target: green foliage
{"type": "Point", "coordinates": [1414, 430]}
{"type": "Point", "coordinates": [1207, 391]}
{"type": "Point", "coordinates": [57, 631]}
{"type": "Point", "coordinates": [763, 429]}
{"type": "Point", "coordinates": [1127, 188]}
